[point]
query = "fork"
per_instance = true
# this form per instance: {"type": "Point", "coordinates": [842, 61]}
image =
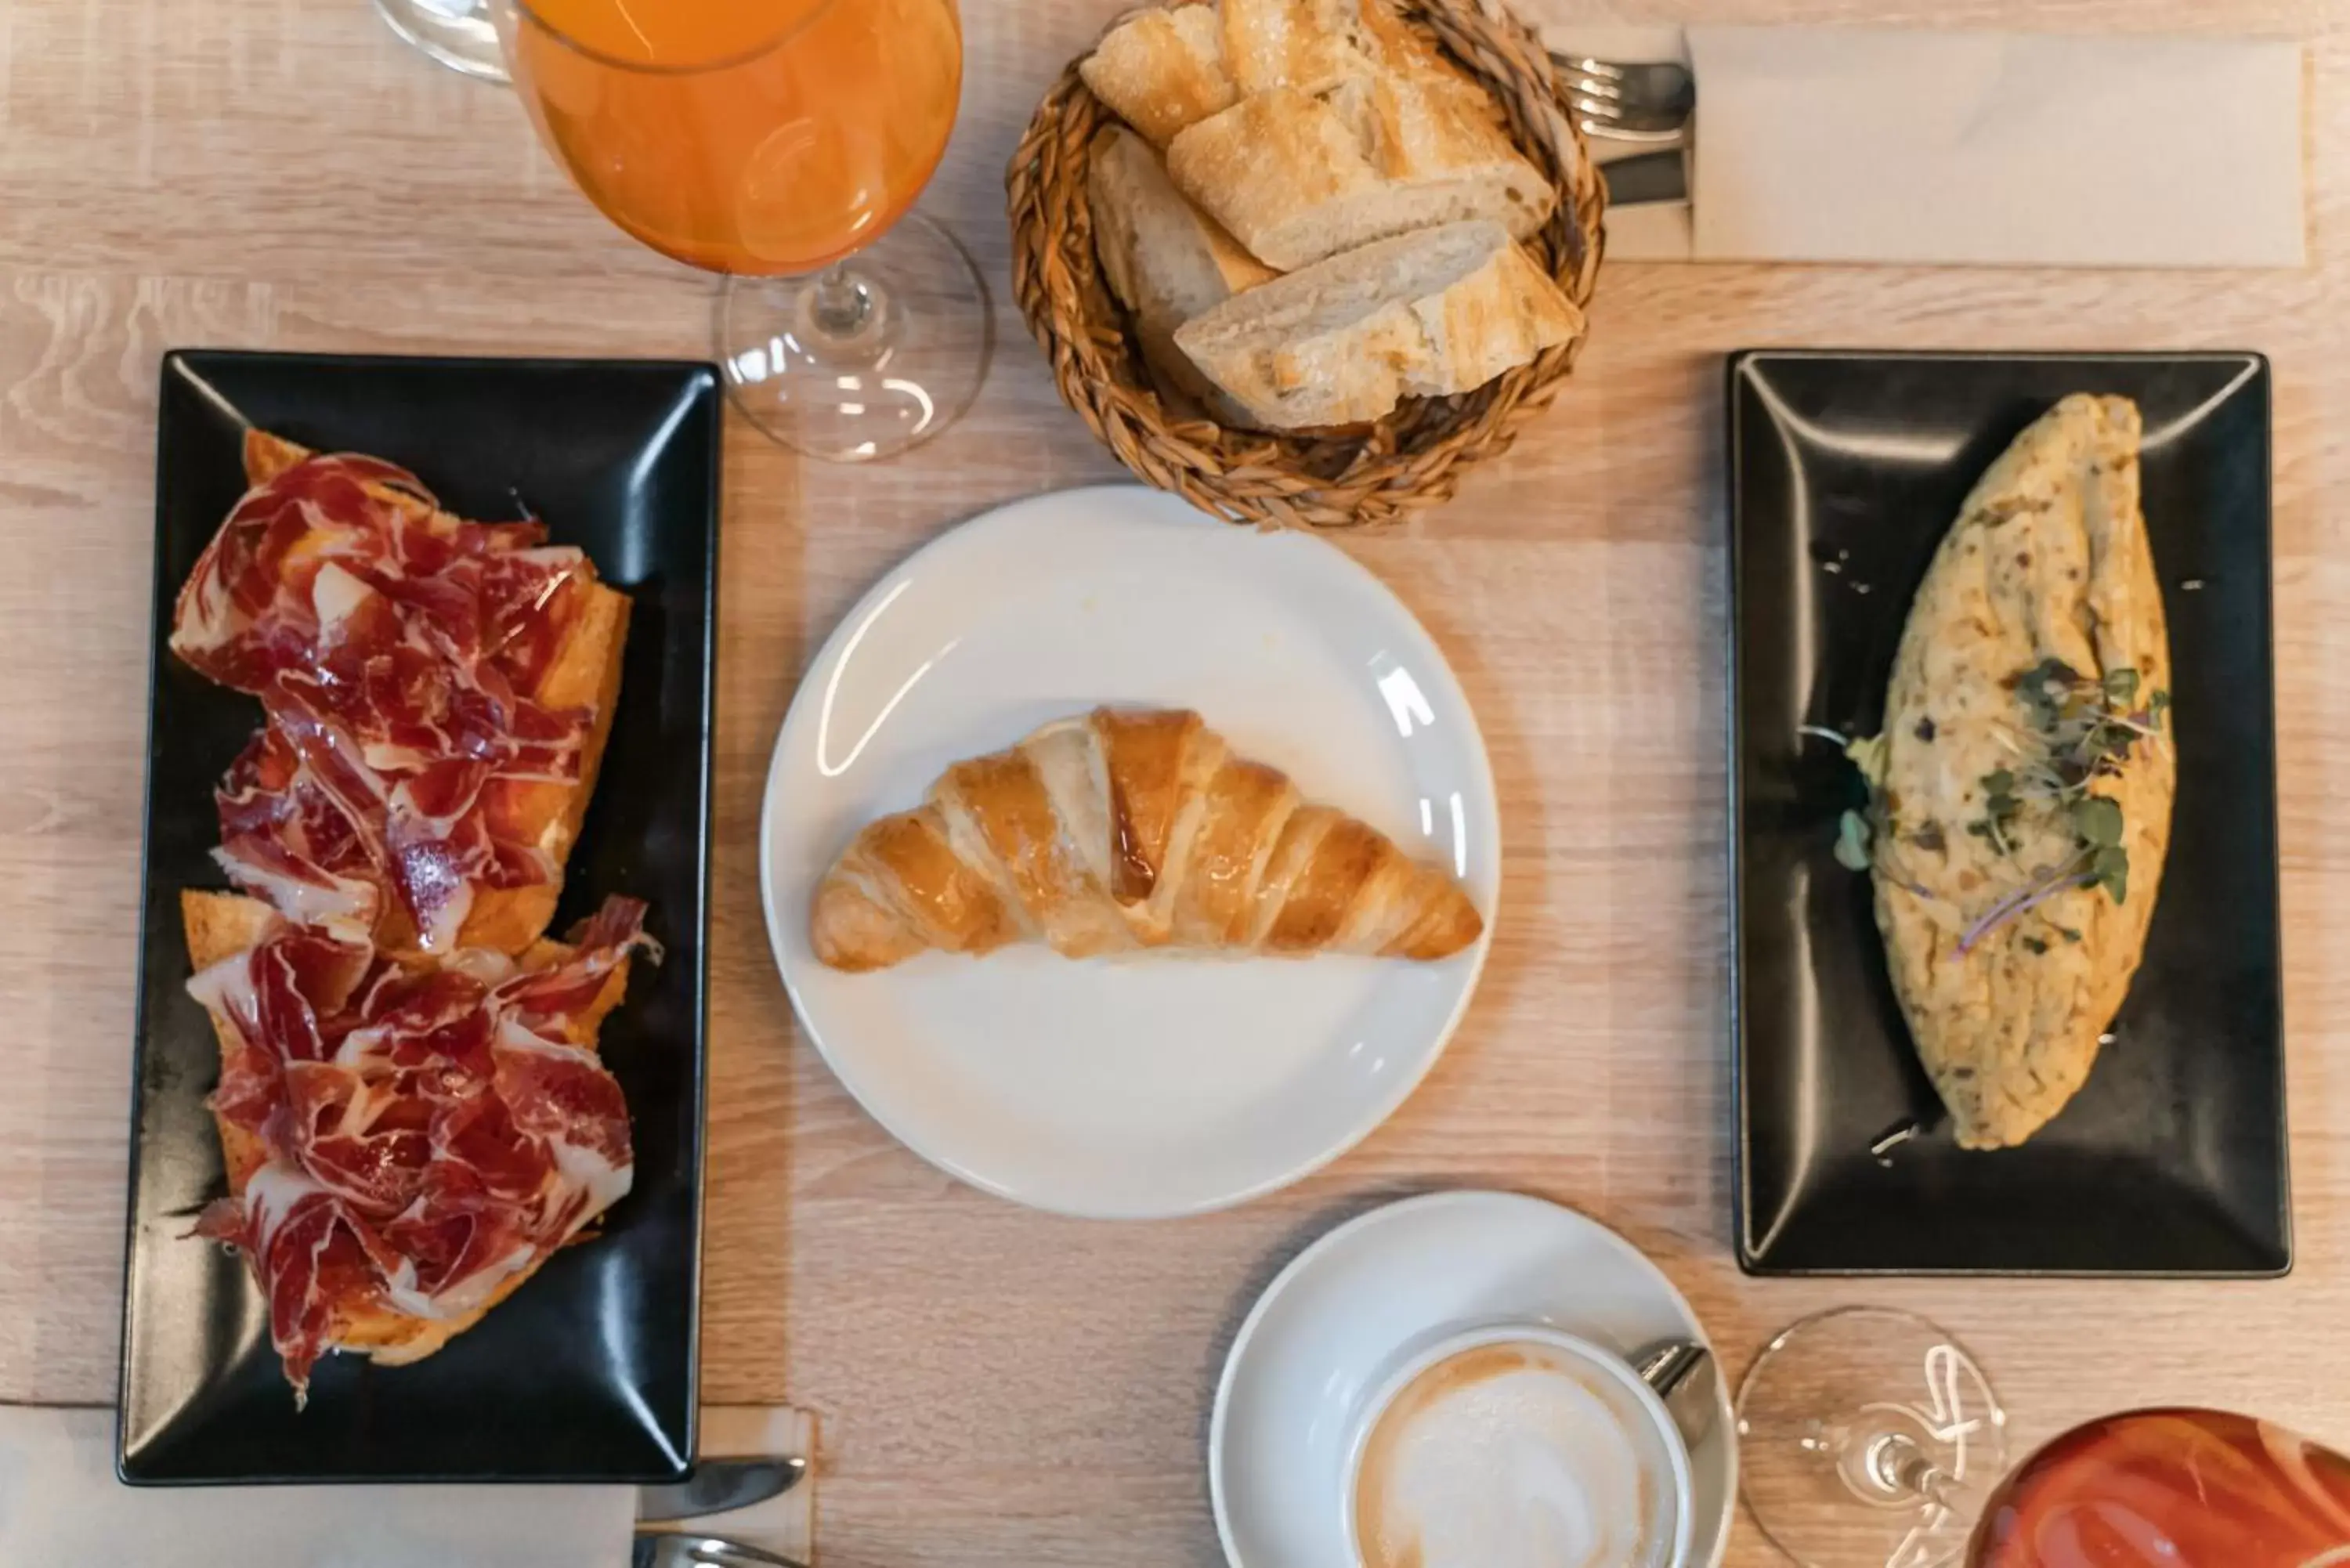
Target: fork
{"type": "Point", "coordinates": [1647, 103]}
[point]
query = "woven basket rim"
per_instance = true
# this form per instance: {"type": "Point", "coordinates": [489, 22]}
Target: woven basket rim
{"type": "Point", "coordinates": [1401, 464]}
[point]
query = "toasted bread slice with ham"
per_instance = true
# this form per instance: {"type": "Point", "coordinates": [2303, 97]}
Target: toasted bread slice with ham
{"type": "Point", "coordinates": [219, 926]}
{"type": "Point", "coordinates": [584, 672]}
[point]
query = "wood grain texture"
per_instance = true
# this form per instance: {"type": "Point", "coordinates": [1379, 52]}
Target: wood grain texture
{"type": "Point", "coordinates": [997, 1387]}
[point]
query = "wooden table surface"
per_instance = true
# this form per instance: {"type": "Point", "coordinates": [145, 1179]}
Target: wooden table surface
{"type": "Point", "coordinates": [995, 1386]}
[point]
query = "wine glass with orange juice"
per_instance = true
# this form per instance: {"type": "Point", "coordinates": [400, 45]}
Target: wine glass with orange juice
{"type": "Point", "coordinates": [781, 142]}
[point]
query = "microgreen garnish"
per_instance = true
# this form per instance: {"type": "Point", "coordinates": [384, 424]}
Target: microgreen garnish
{"type": "Point", "coordinates": [2098, 819]}
{"type": "Point", "coordinates": [1853, 837]}
{"type": "Point", "coordinates": [2088, 730]}
{"type": "Point", "coordinates": [2000, 807]}
{"type": "Point", "coordinates": [2109, 869]}
{"type": "Point", "coordinates": [2039, 890]}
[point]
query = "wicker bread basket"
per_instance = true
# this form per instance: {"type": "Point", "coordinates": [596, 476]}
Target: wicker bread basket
{"type": "Point", "coordinates": [1375, 475]}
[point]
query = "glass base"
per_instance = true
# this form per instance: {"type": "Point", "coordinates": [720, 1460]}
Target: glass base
{"type": "Point", "coordinates": [1869, 1438]}
{"type": "Point", "coordinates": [457, 32]}
{"type": "Point", "coordinates": [866, 359]}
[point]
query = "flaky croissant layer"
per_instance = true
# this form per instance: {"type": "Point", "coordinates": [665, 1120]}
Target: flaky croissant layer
{"type": "Point", "coordinates": [1128, 828]}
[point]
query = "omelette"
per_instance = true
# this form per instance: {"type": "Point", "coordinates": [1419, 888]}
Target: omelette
{"type": "Point", "coordinates": [2022, 784]}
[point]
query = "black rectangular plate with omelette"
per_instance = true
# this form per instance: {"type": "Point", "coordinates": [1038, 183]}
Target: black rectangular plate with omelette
{"type": "Point", "coordinates": [589, 1372]}
{"type": "Point", "coordinates": [1846, 472]}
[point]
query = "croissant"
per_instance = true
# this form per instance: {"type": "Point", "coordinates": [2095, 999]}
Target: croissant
{"type": "Point", "coordinates": [1125, 829]}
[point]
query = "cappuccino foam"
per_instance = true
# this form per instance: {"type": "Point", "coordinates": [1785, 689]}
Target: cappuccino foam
{"type": "Point", "coordinates": [1513, 1456]}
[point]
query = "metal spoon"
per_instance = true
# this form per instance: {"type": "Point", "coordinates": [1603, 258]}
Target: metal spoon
{"type": "Point", "coordinates": [1667, 1369]}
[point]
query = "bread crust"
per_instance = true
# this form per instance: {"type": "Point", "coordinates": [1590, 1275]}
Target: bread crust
{"type": "Point", "coordinates": [585, 669]}
{"type": "Point", "coordinates": [1427, 314]}
{"type": "Point", "coordinates": [1299, 177]}
{"type": "Point", "coordinates": [1161, 70]}
{"type": "Point", "coordinates": [1166, 260]}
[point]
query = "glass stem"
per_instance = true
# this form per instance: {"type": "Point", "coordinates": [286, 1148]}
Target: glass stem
{"type": "Point", "coordinates": [1895, 1464]}
{"type": "Point", "coordinates": [843, 302]}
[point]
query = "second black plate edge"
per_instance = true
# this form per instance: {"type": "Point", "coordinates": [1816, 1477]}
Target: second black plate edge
{"type": "Point", "coordinates": [1734, 366]}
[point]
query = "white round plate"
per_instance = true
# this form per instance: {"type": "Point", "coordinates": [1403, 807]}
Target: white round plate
{"type": "Point", "coordinates": [1399, 1278]}
{"type": "Point", "coordinates": [1156, 1084]}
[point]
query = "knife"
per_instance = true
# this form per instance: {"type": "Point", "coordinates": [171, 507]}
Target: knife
{"type": "Point", "coordinates": [1646, 179]}
{"type": "Point", "coordinates": [651, 1549]}
{"type": "Point", "coordinates": [716, 1486]}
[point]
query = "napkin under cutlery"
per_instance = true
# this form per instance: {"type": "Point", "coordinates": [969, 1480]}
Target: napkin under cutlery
{"type": "Point", "coordinates": [60, 1505]}
{"type": "Point", "coordinates": [1824, 144]}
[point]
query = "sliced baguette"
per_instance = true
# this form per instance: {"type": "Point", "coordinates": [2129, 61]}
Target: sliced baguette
{"type": "Point", "coordinates": [1297, 178]}
{"type": "Point", "coordinates": [1316, 46]}
{"type": "Point", "coordinates": [1163, 70]}
{"type": "Point", "coordinates": [222, 925]}
{"type": "Point", "coordinates": [1309, 45]}
{"type": "Point", "coordinates": [1414, 130]}
{"type": "Point", "coordinates": [1165, 259]}
{"type": "Point", "coordinates": [1428, 314]}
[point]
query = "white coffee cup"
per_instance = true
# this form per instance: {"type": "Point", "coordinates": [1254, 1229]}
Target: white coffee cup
{"type": "Point", "coordinates": [1511, 1444]}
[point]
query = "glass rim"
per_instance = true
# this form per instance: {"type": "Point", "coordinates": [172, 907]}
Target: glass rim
{"type": "Point", "coordinates": [528, 10]}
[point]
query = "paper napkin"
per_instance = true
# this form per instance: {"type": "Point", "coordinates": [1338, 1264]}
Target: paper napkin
{"type": "Point", "coordinates": [1822, 144]}
{"type": "Point", "coordinates": [1921, 148]}
{"type": "Point", "coordinates": [60, 1503]}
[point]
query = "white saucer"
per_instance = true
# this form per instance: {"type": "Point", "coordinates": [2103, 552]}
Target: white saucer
{"type": "Point", "coordinates": [1403, 1276]}
{"type": "Point", "coordinates": [1162, 1083]}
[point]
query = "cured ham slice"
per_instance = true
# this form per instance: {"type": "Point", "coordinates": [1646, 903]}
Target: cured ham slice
{"type": "Point", "coordinates": [403, 656]}
{"type": "Point", "coordinates": [408, 1139]}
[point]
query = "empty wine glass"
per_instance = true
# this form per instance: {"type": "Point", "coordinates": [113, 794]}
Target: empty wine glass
{"type": "Point", "coordinates": [1869, 1438]}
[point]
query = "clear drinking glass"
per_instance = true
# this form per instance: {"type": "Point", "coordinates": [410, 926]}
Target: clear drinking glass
{"type": "Point", "coordinates": [1870, 1438]}
{"type": "Point", "coordinates": [782, 143]}
{"type": "Point", "coordinates": [457, 32]}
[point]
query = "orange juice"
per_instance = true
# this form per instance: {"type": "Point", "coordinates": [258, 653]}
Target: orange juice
{"type": "Point", "coordinates": [744, 136]}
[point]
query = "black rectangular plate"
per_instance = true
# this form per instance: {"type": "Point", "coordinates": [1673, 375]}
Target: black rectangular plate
{"type": "Point", "coordinates": [588, 1372]}
{"type": "Point", "coordinates": [1845, 470]}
